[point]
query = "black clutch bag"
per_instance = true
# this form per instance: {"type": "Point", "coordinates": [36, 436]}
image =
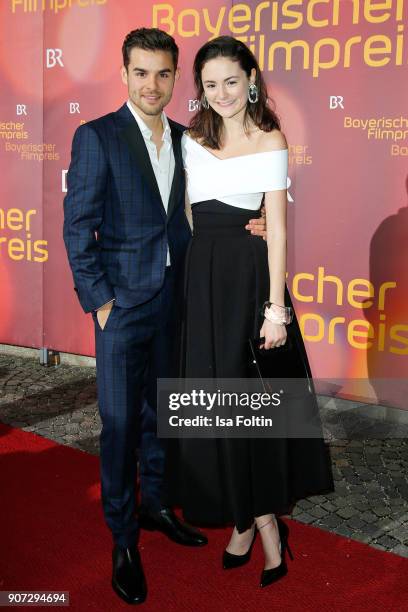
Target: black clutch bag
{"type": "Point", "coordinates": [286, 361]}
{"type": "Point", "coordinates": [286, 368]}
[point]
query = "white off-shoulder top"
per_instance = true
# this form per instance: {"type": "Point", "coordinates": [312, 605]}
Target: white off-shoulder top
{"type": "Point", "coordinates": [238, 181]}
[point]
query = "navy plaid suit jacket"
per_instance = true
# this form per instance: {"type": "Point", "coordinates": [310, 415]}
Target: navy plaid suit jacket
{"type": "Point", "coordinates": [116, 230]}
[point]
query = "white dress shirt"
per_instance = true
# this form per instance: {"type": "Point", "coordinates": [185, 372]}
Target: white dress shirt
{"type": "Point", "coordinates": [163, 164]}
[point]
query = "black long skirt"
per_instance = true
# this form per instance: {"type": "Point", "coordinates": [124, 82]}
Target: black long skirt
{"type": "Point", "coordinates": [231, 481]}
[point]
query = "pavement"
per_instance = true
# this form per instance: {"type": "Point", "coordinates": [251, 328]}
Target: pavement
{"type": "Point", "coordinates": [369, 456]}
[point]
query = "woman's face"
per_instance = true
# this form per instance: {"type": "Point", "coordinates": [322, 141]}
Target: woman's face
{"type": "Point", "coordinates": [226, 86]}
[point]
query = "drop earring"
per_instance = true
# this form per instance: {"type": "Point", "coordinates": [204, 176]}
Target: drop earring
{"type": "Point", "coordinates": [253, 95]}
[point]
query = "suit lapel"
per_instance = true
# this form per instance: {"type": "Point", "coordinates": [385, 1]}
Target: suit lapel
{"type": "Point", "coordinates": [178, 168]}
{"type": "Point", "coordinates": [135, 141]}
{"type": "Point", "coordinates": [133, 137]}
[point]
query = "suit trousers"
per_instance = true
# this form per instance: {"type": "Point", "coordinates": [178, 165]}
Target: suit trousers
{"type": "Point", "coordinates": [136, 346]}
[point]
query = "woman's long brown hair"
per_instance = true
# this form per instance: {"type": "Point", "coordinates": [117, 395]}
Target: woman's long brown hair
{"type": "Point", "coordinates": [207, 126]}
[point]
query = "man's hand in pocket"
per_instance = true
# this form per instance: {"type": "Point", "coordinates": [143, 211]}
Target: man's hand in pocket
{"type": "Point", "coordinates": [102, 314]}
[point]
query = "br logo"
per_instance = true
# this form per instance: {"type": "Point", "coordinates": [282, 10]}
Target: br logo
{"type": "Point", "coordinates": [74, 108]}
{"type": "Point", "coordinates": [193, 105]}
{"type": "Point", "coordinates": [21, 109]}
{"type": "Point", "coordinates": [54, 57]}
{"type": "Point", "coordinates": [336, 102]}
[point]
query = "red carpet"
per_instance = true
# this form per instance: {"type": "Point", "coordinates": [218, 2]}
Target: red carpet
{"type": "Point", "coordinates": [53, 538]}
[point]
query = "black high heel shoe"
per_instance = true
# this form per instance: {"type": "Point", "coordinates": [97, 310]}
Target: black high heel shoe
{"type": "Point", "coordinates": [230, 561]}
{"type": "Point", "coordinates": [275, 573]}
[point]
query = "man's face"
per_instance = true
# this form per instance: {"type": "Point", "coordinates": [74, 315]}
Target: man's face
{"type": "Point", "coordinates": [150, 78]}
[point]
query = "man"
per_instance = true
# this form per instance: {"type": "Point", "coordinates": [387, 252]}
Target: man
{"type": "Point", "coordinates": [126, 234]}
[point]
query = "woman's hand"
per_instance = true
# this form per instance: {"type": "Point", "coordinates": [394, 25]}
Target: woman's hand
{"type": "Point", "coordinates": [274, 334]}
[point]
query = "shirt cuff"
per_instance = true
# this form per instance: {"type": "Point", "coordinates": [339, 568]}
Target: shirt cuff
{"type": "Point", "coordinates": [102, 305]}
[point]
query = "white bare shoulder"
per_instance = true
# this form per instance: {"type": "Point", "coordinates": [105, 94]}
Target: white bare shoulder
{"type": "Point", "coordinates": [273, 141]}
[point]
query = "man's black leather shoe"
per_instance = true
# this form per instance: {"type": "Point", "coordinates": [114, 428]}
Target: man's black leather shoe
{"type": "Point", "coordinates": [168, 523]}
{"type": "Point", "coordinates": [128, 580]}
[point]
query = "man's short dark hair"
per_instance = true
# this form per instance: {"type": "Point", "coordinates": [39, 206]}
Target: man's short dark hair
{"type": "Point", "coordinates": [150, 39]}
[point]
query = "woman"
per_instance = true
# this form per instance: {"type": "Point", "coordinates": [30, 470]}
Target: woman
{"type": "Point", "coordinates": [236, 157]}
